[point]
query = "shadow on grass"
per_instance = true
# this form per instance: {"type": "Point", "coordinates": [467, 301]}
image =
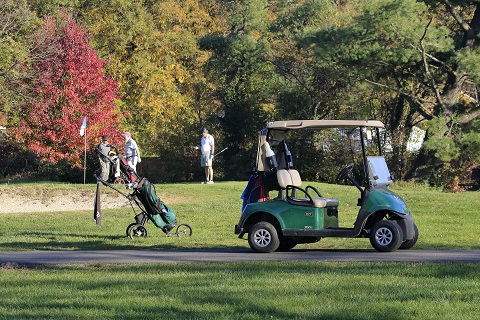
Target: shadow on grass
{"type": "Point", "coordinates": [51, 241]}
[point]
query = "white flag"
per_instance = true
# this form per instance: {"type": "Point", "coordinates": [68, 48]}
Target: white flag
{"type": "Point", "coordinates": [83, 127]}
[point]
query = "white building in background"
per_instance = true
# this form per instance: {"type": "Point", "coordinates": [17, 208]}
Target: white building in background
{"type": "Point", "coordinates": [416, 139]}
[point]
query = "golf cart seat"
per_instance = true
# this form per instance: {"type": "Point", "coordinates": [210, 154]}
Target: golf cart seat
{"type": "Point", "coordinates": [290, 182]}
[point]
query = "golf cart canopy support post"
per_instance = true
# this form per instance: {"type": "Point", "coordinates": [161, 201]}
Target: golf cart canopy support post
{"type": "Point", "coordinates": [275, 132]}
{"type": "Point", "coordinates": [322, 124]}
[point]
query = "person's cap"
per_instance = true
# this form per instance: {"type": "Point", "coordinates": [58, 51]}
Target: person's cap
{"type": "Point", "coordinates": [203, 130]}
{"type": "Point", "coordinates": [127, 134]}
{"type": "Point", "coordinates": [104, 137]}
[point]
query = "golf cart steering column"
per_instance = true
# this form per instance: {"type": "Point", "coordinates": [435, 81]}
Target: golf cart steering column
{"type": "Point", "coordinates": [345, 173]}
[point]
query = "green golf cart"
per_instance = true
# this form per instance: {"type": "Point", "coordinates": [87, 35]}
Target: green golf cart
{"type": "Point", "coordinates": [296, 214]}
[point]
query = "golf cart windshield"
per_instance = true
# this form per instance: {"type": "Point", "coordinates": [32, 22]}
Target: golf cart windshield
{"type": "Point", "coordinates": [322, 147]}
{"type": "Point", "coordinates": [378, 173]}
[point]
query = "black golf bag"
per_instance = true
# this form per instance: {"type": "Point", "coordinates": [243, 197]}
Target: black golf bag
{"type": "Point", "coordinates": [127, 173]}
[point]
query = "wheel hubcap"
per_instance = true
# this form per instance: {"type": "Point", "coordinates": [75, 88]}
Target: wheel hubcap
{"type": "Point", "coordinates": [383, 236]}
{"type": "Point", "coordinates": [262, 238]}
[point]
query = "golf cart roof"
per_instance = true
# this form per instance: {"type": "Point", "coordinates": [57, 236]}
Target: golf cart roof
{"type": "Point", "coordinates": [322, 124]}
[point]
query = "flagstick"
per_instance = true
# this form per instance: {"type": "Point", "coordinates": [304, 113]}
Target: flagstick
{"type": "Point", "coordinates": [85, 158]}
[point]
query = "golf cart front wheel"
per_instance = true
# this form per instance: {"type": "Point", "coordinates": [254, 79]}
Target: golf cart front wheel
{"type": "Point", "coordinates": [386, 236]}
{"type": "Point", "coordinates": [135, 230]}
{"type": "Point", "coordinates": [184, 230]}
{"type": "Point", "coordinates": [263, 237]}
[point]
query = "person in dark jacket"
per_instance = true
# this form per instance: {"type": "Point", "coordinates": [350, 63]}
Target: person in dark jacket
{"type": "Point", "coordinates": [103, 149]}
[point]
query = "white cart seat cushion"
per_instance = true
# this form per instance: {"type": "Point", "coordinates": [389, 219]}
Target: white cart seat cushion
{"type": "Point", "coordinates": [289, 177]}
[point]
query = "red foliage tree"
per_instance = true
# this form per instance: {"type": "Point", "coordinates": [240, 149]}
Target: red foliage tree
{"type": "Point", "coordinates": [70, 84]}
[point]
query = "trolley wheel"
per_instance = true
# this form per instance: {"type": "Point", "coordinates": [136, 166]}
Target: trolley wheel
{"type": "Point", "coordinates": [184, 230]}
{"type": "Point", "coordinates": [136, 230]}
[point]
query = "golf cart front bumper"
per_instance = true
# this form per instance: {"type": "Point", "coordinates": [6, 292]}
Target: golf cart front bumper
{"type": "Point", "coordinates": [407, 225]}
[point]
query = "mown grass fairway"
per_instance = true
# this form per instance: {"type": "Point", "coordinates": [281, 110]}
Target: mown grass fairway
{"type": "Point", "coordinates": [273, 290]}
{"type": "Point", "coordinates": [266, 290]}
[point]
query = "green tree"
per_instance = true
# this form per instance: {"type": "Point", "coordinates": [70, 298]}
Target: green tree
{"type": "Point", "coordinates": [241, 69]}
{"type": "Point", "coordinates": [415, 59]}
{"type": "Point", "coordinates": [306, 89]}
{"type": "Point", "coordinates": [17, 23]}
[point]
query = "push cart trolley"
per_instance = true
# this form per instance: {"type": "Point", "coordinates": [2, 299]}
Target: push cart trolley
{"type": "Point", "coordinates": [144, 196]}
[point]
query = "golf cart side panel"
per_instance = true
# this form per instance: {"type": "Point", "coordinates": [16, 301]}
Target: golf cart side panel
{"type": "Point", "coordinates": [291, 216]}
{"type": "Point", "coordinates": [385, 200]}
{"type": "Point", "coordinates": [254, 212]}
{"type": "Point", "coordinates": [298, 217]}
{"type": "Point", "coordinates": [334, 231]}
{"type": "Point", "coordinates": [308, 218]}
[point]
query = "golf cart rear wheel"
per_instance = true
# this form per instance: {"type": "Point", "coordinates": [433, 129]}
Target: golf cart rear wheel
{"type": "Point", "coordinates": [263, 237]}
{"type": "Point", "coordinates": [135, 230]}
{"type": "Point", "coordinates": [407, 244]}
{"type": "Point", "coordinates": [184, 230]}
{"type": "Point", "coordinates": [386, 236]}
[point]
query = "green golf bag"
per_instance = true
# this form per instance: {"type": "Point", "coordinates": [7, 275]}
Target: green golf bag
{"type": "Point", "coordinates": [161, 215]}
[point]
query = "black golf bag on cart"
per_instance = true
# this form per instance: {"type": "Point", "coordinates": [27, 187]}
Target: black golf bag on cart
{"type": "Point", "coordinates": [120, 171]}
{"type": "Point", "coordinates": [152, 208]}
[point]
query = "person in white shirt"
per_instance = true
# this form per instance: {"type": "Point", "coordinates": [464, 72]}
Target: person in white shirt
{"type": "Point", "coordinates": [207, 148]}
{"type": "Point", "coordinates": [132, 153]}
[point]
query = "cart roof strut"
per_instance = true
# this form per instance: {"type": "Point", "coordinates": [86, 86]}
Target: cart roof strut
{"type": "Point", "coordinates": [322, 124]}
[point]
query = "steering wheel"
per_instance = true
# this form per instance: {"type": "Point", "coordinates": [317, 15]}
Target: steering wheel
{"type": "Point", "coordinates": [345, 172]}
